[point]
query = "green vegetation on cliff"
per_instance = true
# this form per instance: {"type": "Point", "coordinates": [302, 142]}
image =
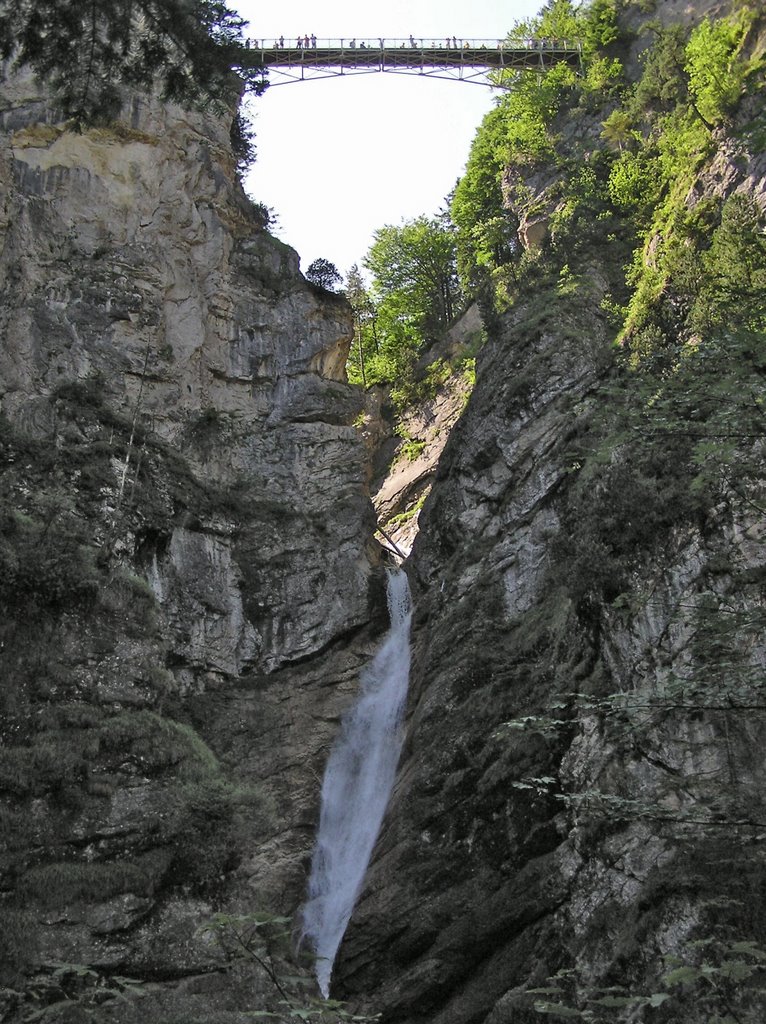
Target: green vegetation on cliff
{"type": "Point", "coordinates": [627, 187]}
{"type": "Point", "coordinates": [413, 297]}
{"type": "Point", "coordinates": [86, 52]}
{"type": "Point", "coordinates": [613, 228]}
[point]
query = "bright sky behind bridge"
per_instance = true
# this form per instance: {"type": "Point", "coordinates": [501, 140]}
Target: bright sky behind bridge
{"type": "Point", "coordinates": [340, 157]}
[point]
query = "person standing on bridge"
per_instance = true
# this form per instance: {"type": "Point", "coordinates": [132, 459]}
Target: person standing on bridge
{"type": "Point", "coordinates": [412, 41]}
{"type": "Point", "coordinates": [281, 42]}
{"type": "Point", "coordinates": [313, 41]}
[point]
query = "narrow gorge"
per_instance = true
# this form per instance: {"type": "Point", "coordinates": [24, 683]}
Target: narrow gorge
{"type": "Point", "coordinates": [193, 592]}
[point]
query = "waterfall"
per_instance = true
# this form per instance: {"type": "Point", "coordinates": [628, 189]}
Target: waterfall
{"type": "Point", "coordinates": [357, 784]}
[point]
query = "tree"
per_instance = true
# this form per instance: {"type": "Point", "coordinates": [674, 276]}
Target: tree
{"type": "Point", "coordinates": [365, 326]}
{"type": "Point", "coordinates": [478, 198]}
{"type": "Point", "coordinates": [715, 77]}
{"type": "Point", "coordinates": [86, 49]}
{"type": "Point", "coordinates": [618, 128]}
{"type": "Point", "coordinates": [731, 293]}
{"type": "Point", "coordinates": [324, 274]}
{"type": "Point", "coordinates": [558, 20]}
{"type": "Point", "coordinates": [414, 269]}
{"type": "Point", "coordinates": [664, 83]}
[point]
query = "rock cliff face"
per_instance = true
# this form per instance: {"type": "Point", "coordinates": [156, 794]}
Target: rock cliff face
{"type": "Point", "coordinates": [593, 835]}
{"type": "Point", "coordinates": [579, 806]}
{"type": "Point", "coordinates": [185, 539]}
{"type": "Point", "coordinates": [188, 589]}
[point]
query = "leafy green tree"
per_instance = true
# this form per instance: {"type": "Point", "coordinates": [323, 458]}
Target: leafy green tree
{"type": "Point", "coordinates": [731, 291]}
{"type": "Point", "coordinates": [415, 274]}
{"type": "Point", "coordinates": [715, 79]}
{"type": "Point", "coordinates": [600, 24]}
{"type": "Point", "coordinates": [366, 344]}
{"type": "Point", "coordinates": [634, 183]}
{"type": "Point", "coordinates": [86, 50]}
{"type": "Point", "coordinates": [478, 201]}
{"type": "Point", "coordinates": [413, 296]}
{"type": "Point", "coordinates": [664, 83]}
{"type": "Point", "coordinates": [558, 20]}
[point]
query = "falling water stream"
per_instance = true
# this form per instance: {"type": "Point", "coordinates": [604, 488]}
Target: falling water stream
{"type": "Point", "coordinates": [357, 784]}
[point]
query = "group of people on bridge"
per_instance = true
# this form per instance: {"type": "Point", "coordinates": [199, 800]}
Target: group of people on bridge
{"type": "Point", "coordinates": [301, 43]}
{"type": "Point", "coordinates": [450, 43]}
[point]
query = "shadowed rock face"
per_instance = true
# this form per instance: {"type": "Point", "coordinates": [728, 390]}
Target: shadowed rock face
{"type": "Point", "coordinates": [187, 574]}
{"type": "Point", "coordinates": [131, 263]}
{"type": "Point", "coordinates": [612, 831]}
{"type": "Point", "coordinates": [511, 853]}
{"type": "Point", "coordinates": [187, 595]}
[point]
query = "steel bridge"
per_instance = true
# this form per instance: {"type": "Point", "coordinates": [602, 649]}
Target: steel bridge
{"type": "Point", "coordinates": [467, 60]}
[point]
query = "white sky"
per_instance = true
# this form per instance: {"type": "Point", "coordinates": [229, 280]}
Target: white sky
{"type": "Point", "coordinates": [340, 157]}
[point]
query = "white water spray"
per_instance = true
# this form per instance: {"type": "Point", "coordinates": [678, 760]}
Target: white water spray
{"type": "Point", "coordinates": [357, 784]}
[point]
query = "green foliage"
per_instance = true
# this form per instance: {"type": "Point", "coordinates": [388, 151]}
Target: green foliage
{"type": "Point", "coordinates": [413, 268]}
{"type": "Point", "coordinates": [688, 290]}
{"type": "Point", "coordinates": [603, 77]}
{"type": "Point", "coordinates": [681, 433]}
{"type": "Point", "coordinates": [412, 299]}
{"type": "Point", "coordinates": [600, 29]}
{"type": "Point", "coordinates": [721, 977]}
{"type": "Point", "coordinates": [618, 128]}
{"type": "Point", "coordinates": [520, 132]}
{"type": "Point", "coordinates": [411, 447]}
{"type": "Point", "coordinates": [86, 52]}
{"type": "Point", "coordinates": [715, 76]}
{"type": "Point", "coordinates": [679, 142]}
{"type": "Point", "coordinates": [661, 130]}
{"type": "Point", "coordinates": [242, 137]}
{"type": "Point", "coordinates": [558, 20]}
{"type": "Point", "coordinates": [486, 236]}
{"type": "Point", "coordinates": [530, 108]}
{"type": "Point", "coordinates": [323, 274]}
{"type": "Point", "coordinates": [634, 184]}
{"type": "Point", "coordinates": [731, 289]}
{"type": "Point", "coordinates": [664, 84]}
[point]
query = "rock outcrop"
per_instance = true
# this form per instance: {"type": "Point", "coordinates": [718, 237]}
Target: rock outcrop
{"type": "Point", "coordinates": [188, 572]}
{"type": "Point", "coordinates": [577, 822]}
{"type": "Point", "coordinates": [404, 463]}
{"type": "Point", "coordinates": [597, 831]}
{"type": "Point", "coordinates": [189, 588]}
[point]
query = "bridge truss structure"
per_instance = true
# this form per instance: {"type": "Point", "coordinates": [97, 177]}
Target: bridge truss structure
{"type": "Point", "coordinates": [466, 60]}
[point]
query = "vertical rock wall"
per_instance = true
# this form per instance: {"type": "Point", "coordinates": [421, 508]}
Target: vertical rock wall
{"type": "Point", "coordinates": [578, 819]}
{"type": "Point", "coordinates": [188, 576]}
{"type": "Point", "coordinates": [580, 837]}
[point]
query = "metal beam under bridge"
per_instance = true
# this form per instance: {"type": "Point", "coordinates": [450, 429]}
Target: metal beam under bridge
{"type": "Point", "coordinates": [468, 60]}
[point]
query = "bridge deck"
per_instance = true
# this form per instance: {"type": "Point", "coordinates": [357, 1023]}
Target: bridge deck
{"type": "Point", "coordinates": [537, 55]}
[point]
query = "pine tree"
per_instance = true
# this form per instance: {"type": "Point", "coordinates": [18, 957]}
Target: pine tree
{"type": "Point", "coordinates": [86, 49]}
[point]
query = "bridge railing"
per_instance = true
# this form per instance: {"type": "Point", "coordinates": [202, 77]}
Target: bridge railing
{"type": "Point", "coordinates": [417, 43]}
